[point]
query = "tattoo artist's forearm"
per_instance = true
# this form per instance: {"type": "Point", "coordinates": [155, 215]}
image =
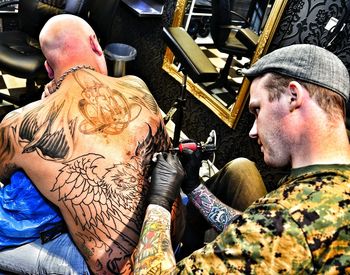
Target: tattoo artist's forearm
{"type": "Point", "coordinates": [218, 214]}
{"type": "Point", "coordinates": [154, 253]}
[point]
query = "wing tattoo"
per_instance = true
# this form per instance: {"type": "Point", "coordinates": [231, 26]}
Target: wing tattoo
{"type": "Point", "coordinates": [158, 142]}
{"type": "Point", "coordinates": [147, 101]}
{"type": "Point", "coordinates": [38, 134]}
{"type": "Point", "coordinates": [99, 204]}
{"type": "Point", "coordinates": [109, 204]}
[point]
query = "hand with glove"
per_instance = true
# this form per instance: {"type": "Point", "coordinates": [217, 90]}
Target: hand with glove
{"type": "Point", "coordinates": [192, 162]}
{"type": "Point", "coordinates": [167, 177]}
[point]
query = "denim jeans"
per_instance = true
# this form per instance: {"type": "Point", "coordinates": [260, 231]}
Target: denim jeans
{"type": "Point", "coordinates": [59, 256]}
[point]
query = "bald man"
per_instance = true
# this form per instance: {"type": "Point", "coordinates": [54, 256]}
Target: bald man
{"type": "Point", "coordinates": [88, 146]}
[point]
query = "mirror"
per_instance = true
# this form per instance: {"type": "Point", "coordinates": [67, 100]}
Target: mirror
{"type": "Point", "coordinates": [227, 113]}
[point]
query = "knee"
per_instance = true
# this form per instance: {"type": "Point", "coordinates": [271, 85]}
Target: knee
{"type": "Point", "coordinates": [242, 170]}
{"type": "Point", "coordinates": [241, 161]}
{"type": "Point", "coordinates": [239, 164]}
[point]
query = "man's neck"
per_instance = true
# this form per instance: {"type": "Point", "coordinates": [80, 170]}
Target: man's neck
{"type": "Point", "coordinates": [331, 148]}
{"type": "Point", "coordinates": [70, 71]}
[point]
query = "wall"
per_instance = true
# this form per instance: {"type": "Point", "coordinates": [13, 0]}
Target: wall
{"type": "Point", "coordinates": [300, 24]}
{"type": "Point", "coordinates": [304, 22]}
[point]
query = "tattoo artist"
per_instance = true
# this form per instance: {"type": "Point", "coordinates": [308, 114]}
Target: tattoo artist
{"type": "Point", "coordinates": [297, 95]}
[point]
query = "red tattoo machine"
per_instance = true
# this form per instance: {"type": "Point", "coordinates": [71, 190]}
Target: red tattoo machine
{"type": "Point", "coordinates": [208, 146]}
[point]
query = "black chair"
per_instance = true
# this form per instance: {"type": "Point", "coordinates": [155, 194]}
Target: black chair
{"type": "Point", "coordinates": [193, 63]}
{"type": "Point", "coordinates": [100, 16]}
{"type": "Point", "coordinates": [224, 34]}
{"type": "Point", "coordinates": [20, 53]}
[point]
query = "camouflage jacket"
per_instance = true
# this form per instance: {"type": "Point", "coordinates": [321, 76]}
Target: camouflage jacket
{"type": "Point", "coordinates": [302, 227]}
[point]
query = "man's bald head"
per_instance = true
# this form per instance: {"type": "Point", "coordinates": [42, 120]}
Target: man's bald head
{"type": "Point", "coordinates": [62, 31]}
{"type": "Point", "coordinates": [67, 40]}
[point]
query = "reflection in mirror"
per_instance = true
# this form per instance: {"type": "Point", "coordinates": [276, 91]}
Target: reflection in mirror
{"type": "Point", "coordinates": [226, 96]}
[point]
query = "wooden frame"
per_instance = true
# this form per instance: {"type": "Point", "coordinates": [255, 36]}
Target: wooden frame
{"type": "Point", "coordinates": [229, 116]}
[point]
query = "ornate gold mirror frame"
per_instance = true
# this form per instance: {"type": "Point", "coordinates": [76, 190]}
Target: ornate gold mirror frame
{"type": "Point", "coordinates": [230, 117]}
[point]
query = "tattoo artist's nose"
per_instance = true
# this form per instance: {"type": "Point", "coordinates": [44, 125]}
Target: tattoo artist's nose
{"type": "Point", "coordinates": [253, 133]}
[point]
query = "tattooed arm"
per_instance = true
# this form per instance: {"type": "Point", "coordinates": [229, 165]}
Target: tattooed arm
{"type": "Point", "coordinates": [7, 147]}
{"type": "Point", "coordinates": [218, 214]}
{"type": "Point", "coordinates": [154, 253]}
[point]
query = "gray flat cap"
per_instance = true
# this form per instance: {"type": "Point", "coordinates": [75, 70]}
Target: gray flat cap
{"type": "Point", "coordinates": [308, 63]}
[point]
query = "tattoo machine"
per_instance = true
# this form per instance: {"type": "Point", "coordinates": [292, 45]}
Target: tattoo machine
{"type": "Point", "coordinates": [205, 147]}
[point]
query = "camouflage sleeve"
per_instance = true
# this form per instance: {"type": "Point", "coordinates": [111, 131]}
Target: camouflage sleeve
{"type": "Point", "coordinates": [264, 240]}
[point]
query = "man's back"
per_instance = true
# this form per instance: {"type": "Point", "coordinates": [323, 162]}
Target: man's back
{"type": "Point", "coordinates": [88, 148]}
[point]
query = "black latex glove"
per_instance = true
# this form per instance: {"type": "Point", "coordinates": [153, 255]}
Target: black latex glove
{"type": "Point", "coordinates": [167, 176]}
{"type": "Point", "coordinates": [191, 161]}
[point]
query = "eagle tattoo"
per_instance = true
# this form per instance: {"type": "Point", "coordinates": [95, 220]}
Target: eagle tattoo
{"type": "Point", "coordinates": [101, 204]}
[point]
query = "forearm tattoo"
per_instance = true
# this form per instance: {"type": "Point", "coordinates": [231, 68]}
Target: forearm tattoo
{"type": "Point", "coordinates": [108, 205]}
{"type": "Point", "coordinates": [154, 253]}
{"type": "Point", "coordinates": [218, 214]}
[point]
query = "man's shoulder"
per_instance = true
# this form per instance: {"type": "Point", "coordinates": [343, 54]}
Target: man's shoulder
{"type": "Point", "coordinates": [319, 191]}
{"type": "Point", "coordinates": [312, 197]}
{"type": "Point", "coordinates": [133, 79]}
{"type": "Point", "coordinates": [326, 182]}
{"type": "Point", "coordinates": [23, 109]}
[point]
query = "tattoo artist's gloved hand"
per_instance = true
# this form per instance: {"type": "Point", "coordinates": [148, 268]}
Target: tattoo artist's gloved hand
{"type": "Point", "coordinates": [167, 176]}
{"type": "Point", "coordinates": [191, 161]}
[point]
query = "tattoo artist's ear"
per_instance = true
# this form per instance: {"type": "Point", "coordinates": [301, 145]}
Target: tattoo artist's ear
{"type": "Point", "coordinates": [296, 92]}
{"type": "Point", "coordinates": [49, 70]}
{"type": "Point", "coordinates": [95, 45]}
